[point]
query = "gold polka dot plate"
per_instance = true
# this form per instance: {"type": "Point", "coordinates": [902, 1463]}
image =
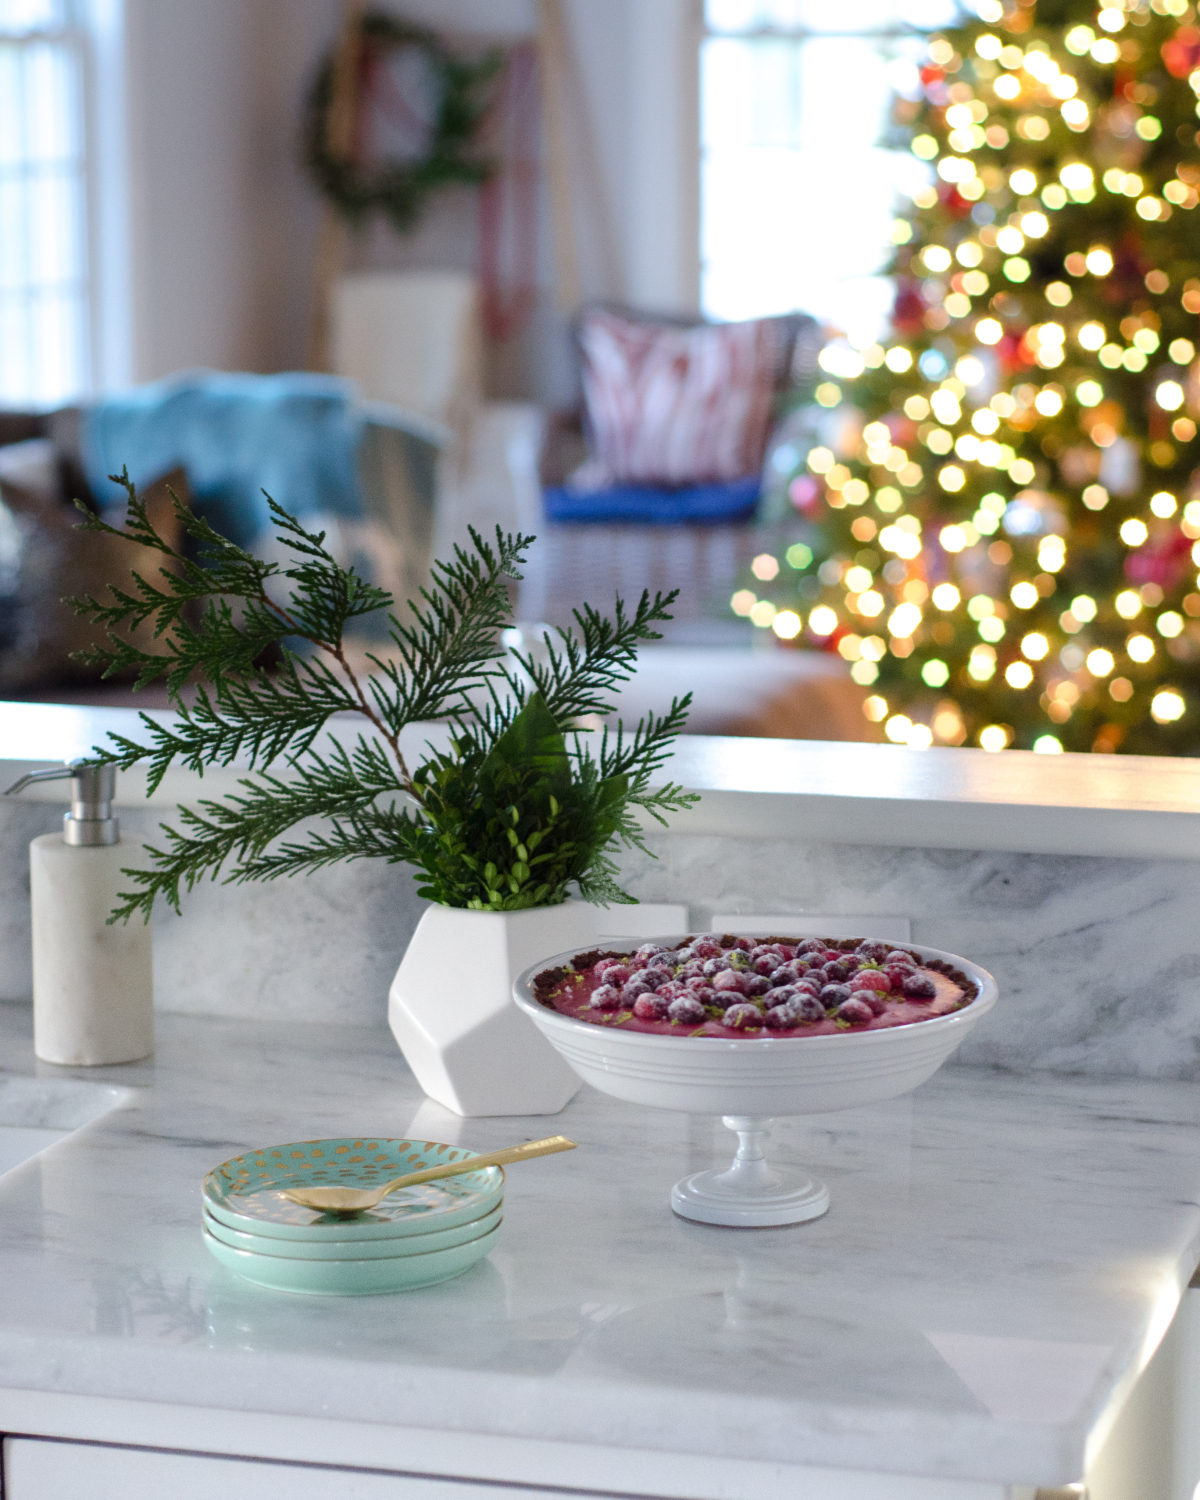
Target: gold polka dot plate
{"type": "Point", "coordinates": [246, 1192]}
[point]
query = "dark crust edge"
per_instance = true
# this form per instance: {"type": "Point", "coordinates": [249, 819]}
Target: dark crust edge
{"type": "Point", "coordinates": [545, 983]}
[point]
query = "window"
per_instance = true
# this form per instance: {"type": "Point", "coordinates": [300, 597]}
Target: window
{"type": "Point", "coordinates": [45, 347]}
{"type": "Point", "coordinates": [798, 194]}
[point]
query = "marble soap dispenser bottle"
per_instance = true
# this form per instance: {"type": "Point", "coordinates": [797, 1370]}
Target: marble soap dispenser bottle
{"type": "Point", "coordinates": [93, 985]}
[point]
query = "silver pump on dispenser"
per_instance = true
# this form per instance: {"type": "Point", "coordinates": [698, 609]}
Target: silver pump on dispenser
{"type": "Point", "coordinates": [90, 821]}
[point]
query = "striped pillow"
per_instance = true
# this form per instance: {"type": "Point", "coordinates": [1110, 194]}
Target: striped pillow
{"type": "Point", "coordinates": [677, 405]}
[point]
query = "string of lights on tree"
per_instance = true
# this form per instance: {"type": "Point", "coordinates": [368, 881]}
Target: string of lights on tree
{"type": "Point", "coordinates": [1003, 495]}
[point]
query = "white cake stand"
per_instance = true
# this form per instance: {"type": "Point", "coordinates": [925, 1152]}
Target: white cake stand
{"type": "Point", "coordinates": [751, 1081]}
{"type": "Point", "coordinates": [750, 1193]}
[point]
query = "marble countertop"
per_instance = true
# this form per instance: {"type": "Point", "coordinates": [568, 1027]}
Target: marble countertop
{"type": "Point", "coordinates": [1001, 1258]}
{"type": "Point", "coordinates": [1144, 807]}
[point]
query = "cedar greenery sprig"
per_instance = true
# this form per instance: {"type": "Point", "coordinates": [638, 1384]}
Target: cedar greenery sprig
{"type": "Point", "coordinates": [525, 803]}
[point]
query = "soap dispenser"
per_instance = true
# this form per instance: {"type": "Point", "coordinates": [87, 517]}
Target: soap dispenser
{"type": "Point", "coordinates": [93, 984]}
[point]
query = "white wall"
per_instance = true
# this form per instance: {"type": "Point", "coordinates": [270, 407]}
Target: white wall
{"type": "Point", "coordinates": [223, 222]}
{"type": "Point", "coordinates": [222, 225]}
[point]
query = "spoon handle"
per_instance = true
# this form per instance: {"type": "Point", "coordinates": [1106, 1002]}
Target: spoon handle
{"type": "Point", "coordinates": [546, 1147]}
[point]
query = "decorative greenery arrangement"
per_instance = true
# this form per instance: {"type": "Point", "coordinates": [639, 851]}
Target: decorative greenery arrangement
{"type": "Point", "coordinates": [398, 189]}
{"type": "Point", "coordinates": [516, 811]}
{"type": "Point", "coordinates": [1006, 500]}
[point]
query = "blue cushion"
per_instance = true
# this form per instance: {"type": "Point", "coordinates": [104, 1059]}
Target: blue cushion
{"type": "Point", "coordinates": [657, 505]}
{"type": "Point", "coordinates": [294, 435]}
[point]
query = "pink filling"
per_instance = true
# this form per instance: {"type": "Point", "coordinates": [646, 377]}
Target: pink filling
{"type": "Point", "coordinates": [572, 995]}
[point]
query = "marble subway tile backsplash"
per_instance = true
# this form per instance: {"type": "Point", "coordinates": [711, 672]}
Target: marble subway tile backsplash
{"type": "Point", "coordinates": [1098, 959]}
{"type": "Point", "coordinates": [322, 947]}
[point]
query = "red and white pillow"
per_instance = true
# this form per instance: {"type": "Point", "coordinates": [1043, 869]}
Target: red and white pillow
{"type": "Point", "coordinates": [676, 405]}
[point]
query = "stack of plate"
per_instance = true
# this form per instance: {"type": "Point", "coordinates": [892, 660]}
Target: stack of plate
{"type": "Point", "coordinates": [415, 1237]}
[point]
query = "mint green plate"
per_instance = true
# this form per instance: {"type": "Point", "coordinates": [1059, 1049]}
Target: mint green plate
{"type": "Point", "coordinates": [246, 1192]}
{"type": "Point", "coordinates": [408, 1244]}
{"type": "Point", "coordinates": [352, 1278]}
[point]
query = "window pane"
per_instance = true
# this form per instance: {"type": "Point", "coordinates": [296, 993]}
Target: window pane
{"type": "Point", "coordinates": [54, 337]}
{"type": "Point", "coordinates": [12, 143]}
{"type": "Point", "coordinates": [823, 15]}
{"type": "Point", "coordinates": [31, 15]}
{"type": "Point", "coordinates": [50, 92]}
{"type": "Point", "coordinates": [14, 242]}
{"type": "Point", "coordinates": [751, 93]}
{"type": "Point", "coordinates": [55, 240]}
{"type": "Point", "coordinates": [44, 357]}
{"type": "Point", "coordinates": [797, 196]}
{"type": "Point", "coordinates": [14, 350]}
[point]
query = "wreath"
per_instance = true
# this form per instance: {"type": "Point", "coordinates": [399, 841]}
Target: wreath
{"type": "Point", "coordinates": [399, 189]}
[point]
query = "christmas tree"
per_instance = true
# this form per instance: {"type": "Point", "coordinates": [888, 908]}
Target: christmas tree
{"type": "Point", "coordinates": [1004, 493]}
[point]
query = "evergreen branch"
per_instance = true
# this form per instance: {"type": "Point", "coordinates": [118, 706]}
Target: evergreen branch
{"type": "Point", "coordinates": [648, 748]}
{"type": "Point", "coordinates": [511, 817]}
{"type": "Point", "coordinates": [238, 830]}
{"type": "Point", "coordinates": [450, 648]}
{"type": "Point", "coordinates": [583, 671]}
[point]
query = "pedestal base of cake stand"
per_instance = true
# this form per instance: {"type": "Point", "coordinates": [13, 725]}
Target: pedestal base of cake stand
{"type": "Point", "coordinates": [750, 1194]}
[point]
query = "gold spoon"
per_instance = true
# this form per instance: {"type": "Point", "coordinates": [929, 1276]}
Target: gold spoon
{"type": "Point", "coordinates": [343, 1200]}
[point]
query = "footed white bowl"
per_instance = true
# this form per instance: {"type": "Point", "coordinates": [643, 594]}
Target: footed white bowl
{"type": "Point", "coordinates": [750, 1080]}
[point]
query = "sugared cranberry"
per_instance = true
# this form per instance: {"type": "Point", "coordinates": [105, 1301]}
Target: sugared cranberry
{"type": "Point", "coordinates": [766, 964]}
{"type": "Point", "coordinates": [836, 972]}
{"type": "Point", "coordinates": [617, 974]}
{"type": "Point", "coordinates": [650, 1008]}
{"type": "Point", "coordinates": [871, 979]}
{"type": "Point", "coordinates": [787, 974]}
{"type": "Point", "coordinates": [690, 970]}
{"type": "Point", "coordinates": [697, 984]}
{"type": "Point", "coordinates": [716, 965]}
{"type": "Point", "coordinates": [897, 974]}
{"type": "Point", "coordinates": [659, 974]}
{"type": "Point", "coordinates": [808, 1008]}
{"type": "Point", "coordinates": [898, 956]}
{"type": "Point", "coordinates": [606, 997]}
{"type": "Point", "coordinates": [711, 999]}
{"type": "Point", "coordinates": [779, 1017]}
{"type": "Point", "coordinates": [638, 985]}
{"type": "Point", "coordinates": [851, 961]}
{"type": "Point", "coordinates": [743, 944]}
{"type": "Point", "coordinates": [919, 987]}
{"type": "Point", "coordinates": [743, 1017]}
{"type": "Point", "coordinates": [730, 980]}
{"type": "Point", "coordinates": [877, 1003]}
{"type": "Point", "coordinates": [871, 950]}
{"type": "Point", "coordinates": [833, 995]}
{"type": "Point", "coordinates": [783, 996]}
{"type": "Point", "coordinates": [811, 945]}
{"type": "Point", "coordinates": [687, 1010]}
{"type": "Point", "coordinates": [706, 947]}
{"type": "Point", "coordinates": [857, 1012]}
{"type": "Point", "coordinates": [753, 985]}
{"type": "Point", "coordinates": [649, 950]}
{"type": "Point", "coordinates": [672, 990]}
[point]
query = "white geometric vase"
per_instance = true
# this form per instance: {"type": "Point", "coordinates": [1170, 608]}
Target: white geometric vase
{"type": "Point", "coordinates": [451, 1008]}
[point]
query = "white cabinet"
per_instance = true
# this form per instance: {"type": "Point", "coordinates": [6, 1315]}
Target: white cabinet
{"type": "Point", "coordinates": [41, 1469]}
{"type": "Point", "coordinates": [1153, 1451]}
